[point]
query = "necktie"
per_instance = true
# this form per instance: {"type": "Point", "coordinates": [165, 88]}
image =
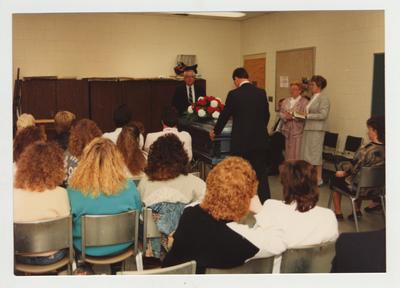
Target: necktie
{"type": "Point", "coordinates": [190, 95]}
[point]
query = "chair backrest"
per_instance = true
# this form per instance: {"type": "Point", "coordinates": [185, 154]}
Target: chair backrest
{"type": "Point", "coordinates": [352, 144]}
{"type": "Point", "coordinates": [259, 265]}
{"type": "Point", "coordinates": [101, 230]}
{"type": "Point", "coordinates": [43, 236]}
{"type": "Point", "coordinates": [311, 259]}
{"type": "Point", "coordinates": [185, 268]}
{"type": "Point", "coordinates": [372, 177]}
{"type": "Point", "coordinates": [150, 229]}
{"type": "Point", "coordinates": [331, 140]}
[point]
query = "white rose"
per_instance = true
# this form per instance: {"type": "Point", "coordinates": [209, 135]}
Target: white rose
{"type": "Point", "coordinates": [190, 109]}
{"type": "Point", "coordinates": [200, 98]}
{"type": "Point", "coordinates": [214, 103]}
{"type": "Point", "coordinates": [215, 115]}
{"type": "Point", "coordinates": [201, 113]}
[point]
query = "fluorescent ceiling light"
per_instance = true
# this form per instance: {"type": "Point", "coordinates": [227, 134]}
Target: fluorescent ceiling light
{"type": "Point", "coordinates": [219, 14]}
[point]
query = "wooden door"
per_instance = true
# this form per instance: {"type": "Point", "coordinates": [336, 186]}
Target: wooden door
{"type": "Point", "coordinates": [255, 66]}
{"type": "Point", "coordinates": [292, 65]}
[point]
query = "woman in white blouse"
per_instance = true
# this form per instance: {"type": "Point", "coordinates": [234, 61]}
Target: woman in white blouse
{"type": "Point", "coordinates": [297, 218]}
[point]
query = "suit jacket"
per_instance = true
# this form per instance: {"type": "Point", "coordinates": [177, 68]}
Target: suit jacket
{"type": "Point", "coordinates": [318, 114]}
{"type": "Point", "coordinates": [248, 105]}
{"type": "Point", "coordinates": [180, 100]}
{"type": "Point", "coordinates": [360, 252]}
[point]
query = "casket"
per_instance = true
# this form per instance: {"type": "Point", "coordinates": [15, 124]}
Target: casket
{"type": "Point", "coordinates": [210, 152]}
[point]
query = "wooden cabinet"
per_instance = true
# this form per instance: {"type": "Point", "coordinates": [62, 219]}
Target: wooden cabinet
{"type": "Point", "coordinates": [98, 98]}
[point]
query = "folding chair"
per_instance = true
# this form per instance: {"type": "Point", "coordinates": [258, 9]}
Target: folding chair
{"type": "Point", "coordinates": [102, 230]}
{"type": "Point", "coordinates": [371, 178]}
{"type": "Point", "coordinates": [310, 259]}
{"type": "Point", "coordinates": [44, 236]}
{"type": "Point", "coordinates": [185, 268]}
{"type": "Point", "coordinates": [253, 266]}
{"type": "Point", "coordinates": [150, 229]}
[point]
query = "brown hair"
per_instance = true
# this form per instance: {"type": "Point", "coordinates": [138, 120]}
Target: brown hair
{"type": "Point", "coordinates": [63, 121]}
{"type": "Point", "coordinates": [128, 145]}
{"type": "Point", "coordinates": [378, 124]}
{"type": "Point", "coordinates": [100, 169]}
{"type": "Point", "coordinates": [167, 159]}
{"type": "Point", "coordinates": [319, 81]}
{"type": "Point", "coordinates": [25, 137]}
{"type": "Point", "coordinates": [81, 134]}
{"type": "Point", "coordinates": [230, 186]}
{"type": "Point", "coordinates": [40, 167]}
{"type": "Point", "coordinates": [299, 180]}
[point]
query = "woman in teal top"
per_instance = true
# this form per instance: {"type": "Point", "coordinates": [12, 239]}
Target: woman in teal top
{"type": "Point", "coordinates": [99, 187]}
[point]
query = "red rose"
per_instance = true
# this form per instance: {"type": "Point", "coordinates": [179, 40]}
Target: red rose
{"type": "Point", "coordinates": [211, 110]}
{"type": "Point", "coordinates": [202, 102]}
{"type": "Point", "coordinates": [197, 108]}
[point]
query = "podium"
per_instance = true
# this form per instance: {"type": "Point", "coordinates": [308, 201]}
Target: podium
{"type": "Point", "coordinates": [207, 153]}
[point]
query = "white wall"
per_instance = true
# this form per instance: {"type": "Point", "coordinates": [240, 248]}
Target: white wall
{"type": "Point", "coordinates": [345, 43]}
{"type": "Point", "coordinates": [136, 45]}
{"type": "Point", "coordinates": [126, 45]}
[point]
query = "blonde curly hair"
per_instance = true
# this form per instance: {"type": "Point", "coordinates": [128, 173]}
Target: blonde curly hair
{"type": "Point", "coordinates": [100, 169]}
{"type": "Point", "coordinates": [230, 186]}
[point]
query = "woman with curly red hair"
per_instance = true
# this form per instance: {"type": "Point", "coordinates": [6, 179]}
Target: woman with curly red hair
{"type": "Point", "coordinates": [37, 195]}
{"type": "Point", "coordinates": [209, 233]}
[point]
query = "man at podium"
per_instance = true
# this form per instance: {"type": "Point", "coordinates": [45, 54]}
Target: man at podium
{"type": "Point", "coordinates": [248, 106]}
{"type": "Point", "coordinates": [187, 93]}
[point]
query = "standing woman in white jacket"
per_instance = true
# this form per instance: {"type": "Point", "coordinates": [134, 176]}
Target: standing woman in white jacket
{"type": "Point", "coordinates": [317, 112]}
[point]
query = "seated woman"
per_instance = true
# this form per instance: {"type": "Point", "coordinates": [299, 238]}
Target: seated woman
{"type": "Point", "coordinates": [167, 186]}
{"type": "Point", "coordinates": [62, 123]}
{"type": "Point", "coordinates": [81, 134]}
{"type": "Point", "coordinates": [300, 221]}
{"type": "Point", "coordinates": [208, 232]}
{"type": "Point", "coordinates": [99, 186]}
{"type": "Point", "coordinates": [24, 138]}
{"type": "Point", "coordinates": [128, 145]}
{"type": "Point", "coordinates": [37, 195]}
{"type": "Point", "coordinates": [370, 155]}
{"type": "Point", "coordinates": [25, 120]}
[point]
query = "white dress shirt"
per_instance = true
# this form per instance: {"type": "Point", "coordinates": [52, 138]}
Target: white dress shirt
{"type": "Point", "coordinates": [113, 136]}
{"type": "Point", "coordinates": [297, 229]}
{"type": "Point", "coordinates": [193, 93]}
{"type": "Point", "coordinates": [184, 136]}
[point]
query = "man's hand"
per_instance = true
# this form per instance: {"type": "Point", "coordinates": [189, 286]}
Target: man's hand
{"type": "Point", "coordinates": [212, 135]}
{"type": "Point", "coordinates": [340, 174]}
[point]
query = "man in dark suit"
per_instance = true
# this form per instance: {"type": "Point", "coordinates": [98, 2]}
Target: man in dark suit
{"type": "Point", "coordinates": [187, 93]}
{"type": "Point", "coordinates": [248, 105]}
{"type": "Point", "coordinates": [360, 252]}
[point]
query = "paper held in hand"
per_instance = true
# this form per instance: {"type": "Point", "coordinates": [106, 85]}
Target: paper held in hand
{"type": "Point", "coordinates": [299, 115]}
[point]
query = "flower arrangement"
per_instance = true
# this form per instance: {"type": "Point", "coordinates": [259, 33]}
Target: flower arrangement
{"type": "Point", "coordinates": [206, 107]}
